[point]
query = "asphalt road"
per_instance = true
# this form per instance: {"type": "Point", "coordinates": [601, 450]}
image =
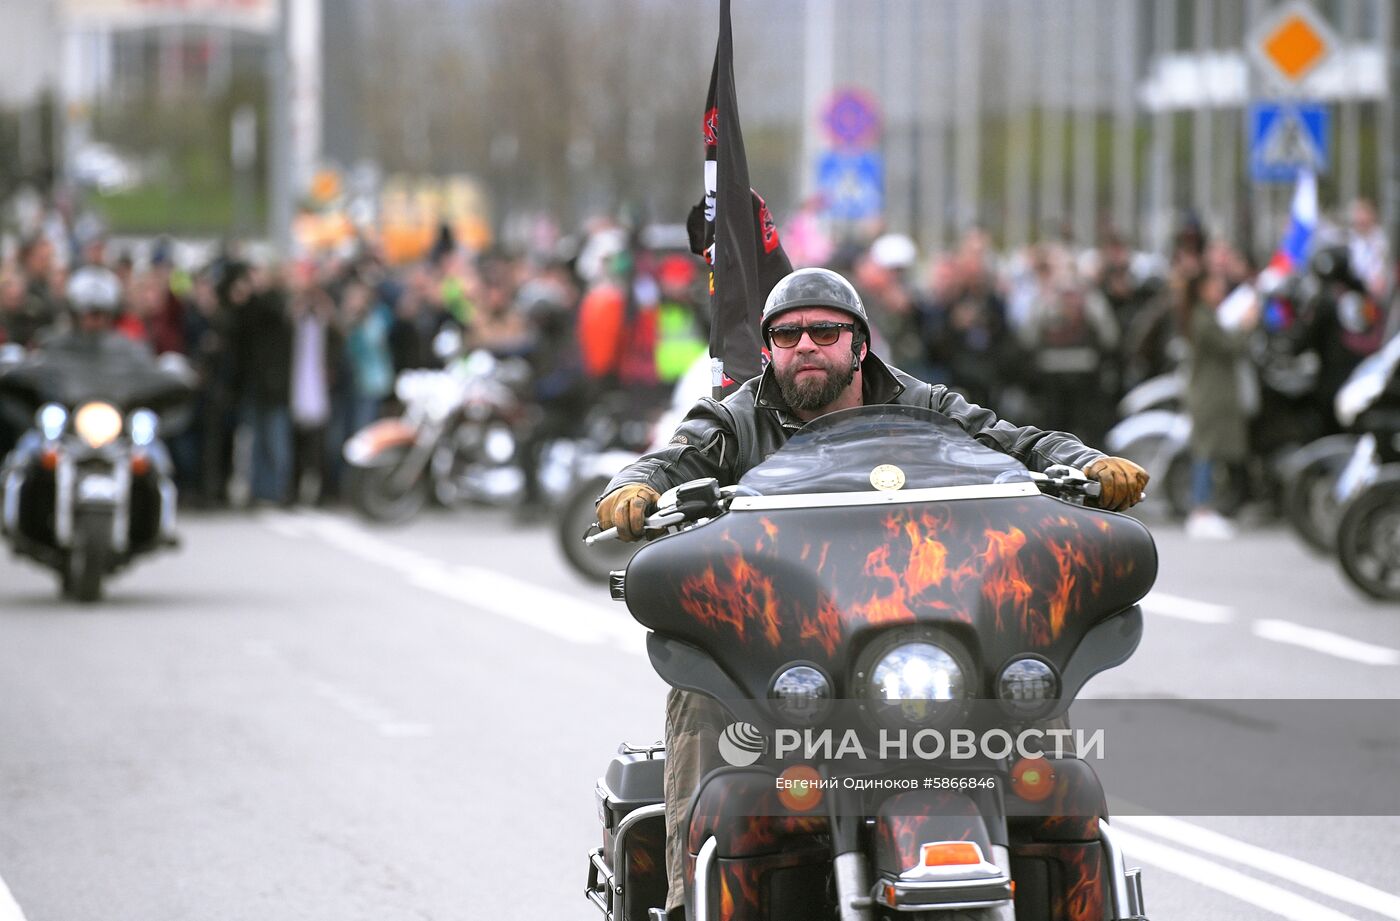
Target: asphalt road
{"type": "Point", "coordinates": [299, 717]}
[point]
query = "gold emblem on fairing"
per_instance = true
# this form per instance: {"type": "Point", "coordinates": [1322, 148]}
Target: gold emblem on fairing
{"type": "Point", "coordinates": [887, 477]}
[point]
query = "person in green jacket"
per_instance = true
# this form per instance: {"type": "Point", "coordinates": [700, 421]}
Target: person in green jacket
{"type": "Point", "coordinates": [1214, 399]}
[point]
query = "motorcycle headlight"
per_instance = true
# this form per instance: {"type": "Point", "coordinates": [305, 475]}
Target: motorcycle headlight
{"type": "Point", "coordinates": [916, 684]}
{"type": "Point", "coordinates": [499, 446]}
{"type": "Point", "coordinates": [51, 418]}
{"type": "Point", "coordinates": [98, 424]}
{"type": "Point", "coordinates": [1028, 688]}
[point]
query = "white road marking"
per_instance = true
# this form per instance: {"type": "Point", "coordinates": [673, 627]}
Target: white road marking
{"type": "Point", "coordinates": [528, 603]}
{"type": "Point", "coordinates": [1233, 883]}
{"type": "Point", "coordinates": [358, 707]}
{"type": "Point", "coordinates": [1278, 631]}
{"type": "Point", "coordinates": [1201, 612]}
{"type": "Point", "coordinates": [1324, 641]}
{"type": "Point", "coordinates": [368, 711]}
{"type": "Point", "coordinates": [9, 908]}
{"type": "Point", "coordinates": [1291, 869]}
{"type": "Point", "coordinates": [283, 524]}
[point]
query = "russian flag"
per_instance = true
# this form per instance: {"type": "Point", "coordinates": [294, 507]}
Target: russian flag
{"type": "Point", "coordinates": [1292, 253]}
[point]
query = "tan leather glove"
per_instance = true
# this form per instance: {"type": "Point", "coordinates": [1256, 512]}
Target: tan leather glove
{"type": "Point", "coordinates": [626, 508]}
{"type": "Point", "coordinates": [1120, 480]}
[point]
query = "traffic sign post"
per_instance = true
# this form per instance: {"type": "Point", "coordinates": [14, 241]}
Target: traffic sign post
{"type": "Point", "coordinates": [1289, 134]}
{"type": "Point", "coordinates": [851, 178]}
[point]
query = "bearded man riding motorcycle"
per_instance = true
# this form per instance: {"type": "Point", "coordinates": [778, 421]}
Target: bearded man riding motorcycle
{"type": "Point", "coordinates": [818, 334]}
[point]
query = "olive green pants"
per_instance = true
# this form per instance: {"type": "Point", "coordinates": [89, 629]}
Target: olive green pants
{"type": "Point", "coordinates": [693, 725]}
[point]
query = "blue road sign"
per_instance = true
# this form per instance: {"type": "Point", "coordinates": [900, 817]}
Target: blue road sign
{"type": "Point", "coordinates": [852, 184]}
{"type": "Point", "coordinates": [1285, 137]}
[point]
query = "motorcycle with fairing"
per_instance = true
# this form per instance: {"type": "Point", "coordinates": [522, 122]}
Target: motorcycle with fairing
{"type": "Point", "coordinates": [886, 569]}
{"type": "Point", "coordinates": [89, 487]}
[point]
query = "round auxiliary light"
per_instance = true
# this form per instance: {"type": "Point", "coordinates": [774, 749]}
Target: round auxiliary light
{"type": "Point", "coordinates": [51, 419]}
{"type": "Point", "coordinates": [1028, 688]}
{"type": "Point", "coordinates": [801, 695]}
{"type": "Point", "coordinates": [143, 426]}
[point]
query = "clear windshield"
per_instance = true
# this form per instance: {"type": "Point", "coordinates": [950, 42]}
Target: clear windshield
{"type": "Point", "coordinates": [840, 451]}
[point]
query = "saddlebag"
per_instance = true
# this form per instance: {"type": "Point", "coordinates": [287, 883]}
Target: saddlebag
{"type": "Point", "coordinates": [627, 874]}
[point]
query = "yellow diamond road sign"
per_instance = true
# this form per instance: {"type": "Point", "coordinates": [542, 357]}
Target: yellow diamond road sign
{"type": "Point", "coordinates": [1291, 42]}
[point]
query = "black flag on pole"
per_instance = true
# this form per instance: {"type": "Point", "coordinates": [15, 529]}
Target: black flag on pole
{"type": "Point", "coordinates": [733, 229]}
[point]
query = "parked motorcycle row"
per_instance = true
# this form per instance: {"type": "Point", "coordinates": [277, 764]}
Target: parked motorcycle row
{"type": "Point", "coordinates": [1332, 473]}
{"type": "Point", "coordinates": [458, 443]}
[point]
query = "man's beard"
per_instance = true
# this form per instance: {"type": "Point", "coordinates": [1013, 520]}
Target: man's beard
{"type": "Point", "coordinates": [812, 392]}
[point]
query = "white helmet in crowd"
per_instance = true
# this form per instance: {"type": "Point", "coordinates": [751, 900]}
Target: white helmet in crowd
{"type": "Point", "coordinates": [894, 251]}
{"type": "Point", "coordinates": [93, 288]}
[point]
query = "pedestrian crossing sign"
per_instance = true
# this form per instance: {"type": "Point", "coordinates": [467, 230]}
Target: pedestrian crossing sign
{"type": "Point", "coordinates": [1285, 138]}
{"type": "Point", "coordinates": [852, 184]}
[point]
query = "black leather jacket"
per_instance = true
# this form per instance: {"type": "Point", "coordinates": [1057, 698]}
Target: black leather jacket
{"type": "Point", "coordinates": [725, 439]}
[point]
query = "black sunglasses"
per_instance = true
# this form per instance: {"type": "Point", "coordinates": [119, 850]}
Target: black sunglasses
{"type": "Point", "coordinates": [785, 337]}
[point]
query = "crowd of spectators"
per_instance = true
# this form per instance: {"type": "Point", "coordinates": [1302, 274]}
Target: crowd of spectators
{"type": "Point", "coordinates": [302, 355]}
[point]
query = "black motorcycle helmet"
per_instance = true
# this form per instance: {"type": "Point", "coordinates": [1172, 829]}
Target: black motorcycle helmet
{"type": "Point", "coordinates": [1332, 262]}
{"type": "Point", "coordinates": [814, 287]}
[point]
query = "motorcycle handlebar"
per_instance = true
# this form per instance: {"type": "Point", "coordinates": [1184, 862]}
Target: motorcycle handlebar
{"type": "Point", "coordinates": [1061, 479]}
{"type": "Point", "coordinates": [655, 522]}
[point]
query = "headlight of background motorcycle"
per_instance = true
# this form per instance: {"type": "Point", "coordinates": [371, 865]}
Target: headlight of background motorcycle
{"type": "Point", "coordinates": [98, 424]}
{"type": "Point", "coordinates": [143, 425]}
{"type": "Point", "coordinates": [916, 685]}
{"type": "Point", "coordinates": [1028, 688]}
{"type": "Point", "coordinates": [499, 445]}
{"type": "Point", "coordinates": [51, 418]}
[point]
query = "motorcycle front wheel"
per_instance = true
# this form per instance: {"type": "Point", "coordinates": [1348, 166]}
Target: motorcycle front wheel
{"type": "Point", "coordinates": [1311, 503]}
{"type": "Point", "coordinates": [575, 515]}
{"type": "Point", "coordinates": [89, 559]}
{"type": "Point", "coordinates": [376, 494]}
{"type": "Point", "coordinates": [1368, 541]}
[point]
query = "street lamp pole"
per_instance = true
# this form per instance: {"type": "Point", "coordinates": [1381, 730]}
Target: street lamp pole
{"type": "Point", "coordinates": [280, 135]}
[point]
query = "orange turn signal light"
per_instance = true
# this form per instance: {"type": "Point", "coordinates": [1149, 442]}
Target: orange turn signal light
{"type": "Point", "coordinates": [1032, 779]}
{"type": "Point", "coordinates": [951, 854]}
{"type": "Point", "coordinates": [799, 788]}
{"type": "Point", "coordinates": [49, 459]}
{"type": "Point", "coordinates": [140, 464]}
